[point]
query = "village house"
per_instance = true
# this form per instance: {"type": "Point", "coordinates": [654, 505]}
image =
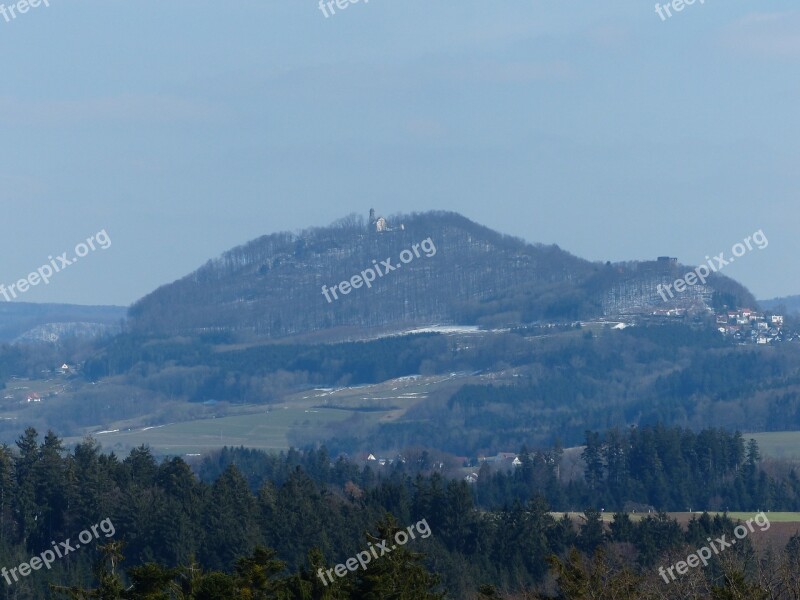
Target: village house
{"type": "Point", "coordinates": [747, 325]}
{"type": "Point", "coordinates": [502, 458]}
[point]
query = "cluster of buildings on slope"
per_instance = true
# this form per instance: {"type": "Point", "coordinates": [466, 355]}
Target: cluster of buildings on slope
{"type": "Point", "coordinates": [634, 297]}
{"type": "Point", "coordinates": [749, 326]}
{"type": "Point", "coordinates": [503, 461]}
{"type": "Point", "coordinates": [372, 459]}
{"type": "Point", "coordinates": [34, 396]}
{"type": "Point", "coordinates": [745, 325]}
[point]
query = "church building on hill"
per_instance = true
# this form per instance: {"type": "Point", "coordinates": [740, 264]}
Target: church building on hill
{"type": "Point", "coordinates": [380, 224]}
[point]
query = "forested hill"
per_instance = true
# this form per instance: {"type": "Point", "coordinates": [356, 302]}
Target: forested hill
{"type": "Point", "coordinates": [458, 272]}
{"type": "Point", "coordinates": [787, 304]}
{"type": "Point", "coordinates": [35, 321]}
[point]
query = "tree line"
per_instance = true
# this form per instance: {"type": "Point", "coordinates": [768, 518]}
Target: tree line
{"type": "Point", "coordinates": [248, 517]}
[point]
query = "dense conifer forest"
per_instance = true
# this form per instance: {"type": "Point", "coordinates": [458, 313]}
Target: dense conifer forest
{"type": "Point", "coordinates": [248, 524]}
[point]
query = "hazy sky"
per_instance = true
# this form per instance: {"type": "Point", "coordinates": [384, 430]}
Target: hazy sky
{"type": "Point", "coordinates": [186, 127]}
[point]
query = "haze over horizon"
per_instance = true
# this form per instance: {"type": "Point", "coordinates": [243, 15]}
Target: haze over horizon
{"type": "Point", "coordinates": [603, 129]}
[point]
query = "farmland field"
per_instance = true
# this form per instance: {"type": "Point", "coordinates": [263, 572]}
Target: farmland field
{"type": "Point", "coordinates": [684, 517]}
{"type": "Point", "coordinates": [307, 415]}
{"type": "Point", "coordinates": [778, 444]}
{"type": "Point", "coordinates": [783, 525]}
{"type": "Point", "coordinates": [264, 430]}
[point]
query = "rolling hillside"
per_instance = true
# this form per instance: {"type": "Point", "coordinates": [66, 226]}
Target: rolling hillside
{"type": "Point", "coordinates": [465, 273]}
{"type": "Point", "coordinates": [46, 322]}
{"type": "Point", "coordinates": [790, 303]}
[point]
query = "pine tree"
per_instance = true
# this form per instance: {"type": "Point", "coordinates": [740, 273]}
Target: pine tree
{"type": "Point", "coordinates": [399, 575]}
{"type": "Point", "coordinates": [105, 572]}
